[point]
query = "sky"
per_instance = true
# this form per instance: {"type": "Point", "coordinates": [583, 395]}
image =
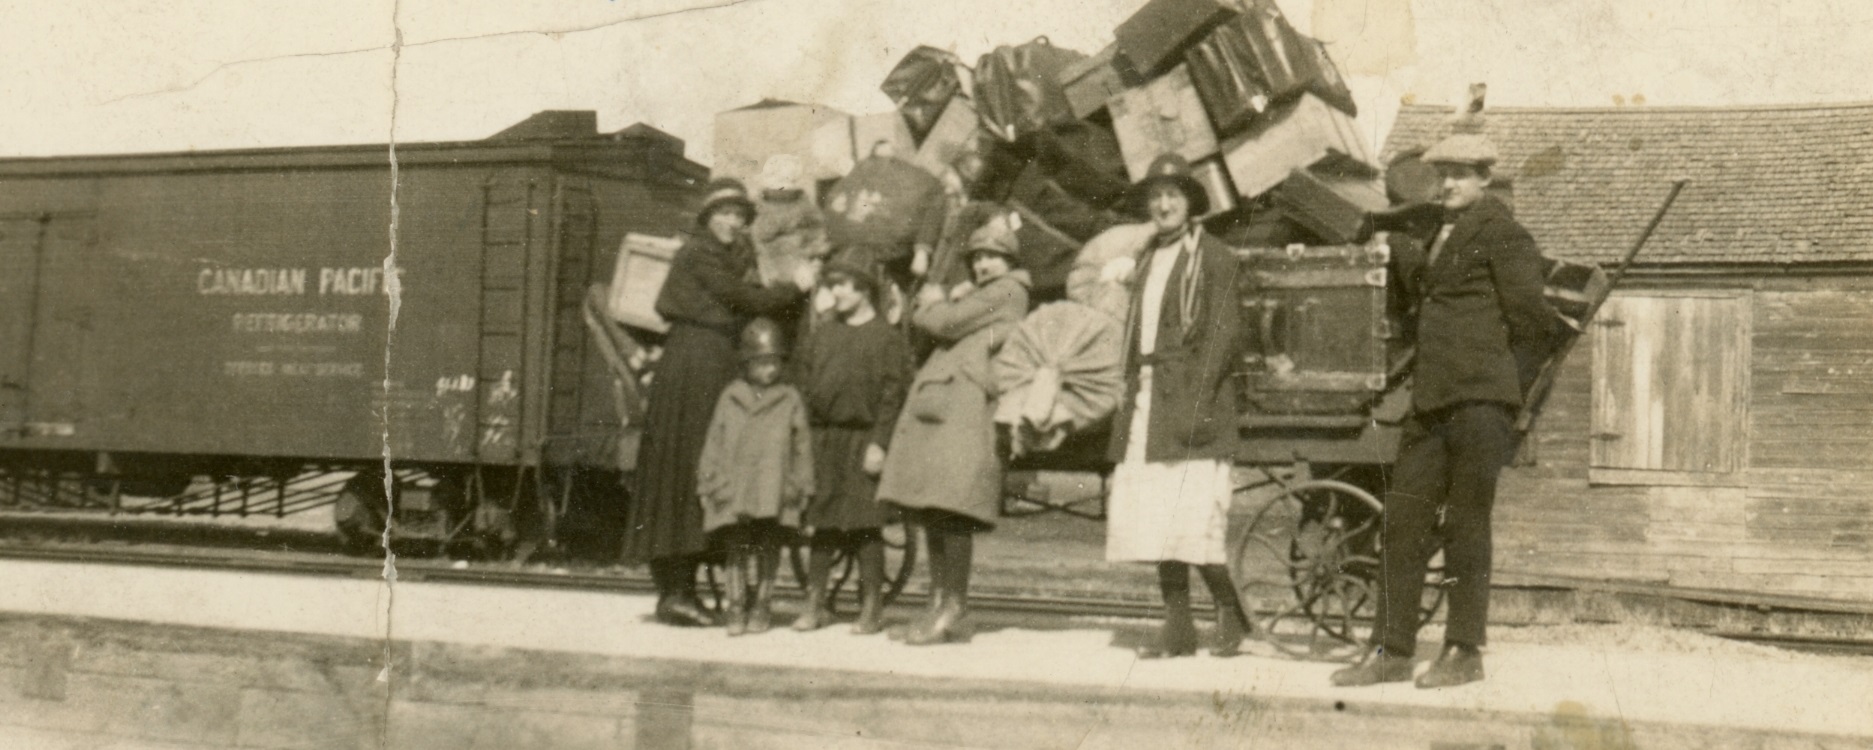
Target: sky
{"type": "Point", "coordinates": [168, 75]}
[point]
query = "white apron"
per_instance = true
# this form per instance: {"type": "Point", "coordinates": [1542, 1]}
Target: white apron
{"type": "Point", "coordinates": [1163, 510]}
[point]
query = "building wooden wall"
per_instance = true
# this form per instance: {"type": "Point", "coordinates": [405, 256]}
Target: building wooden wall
{"type": "Point", "coordinates": [1795, 519]}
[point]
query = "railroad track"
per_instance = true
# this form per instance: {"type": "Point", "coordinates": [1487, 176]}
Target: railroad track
{"type": "Point", "coordinates": [996, 604]}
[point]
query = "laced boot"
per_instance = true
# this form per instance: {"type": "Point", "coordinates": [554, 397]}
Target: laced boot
{"type": "Point", "coordinates": [1375, 666]}
{"type": "Point", "coordinates": [1178, 635]}
{"type": "Point", "coordinates": [815, 612]}
{"type": "Point", "coordinates": [947, 624]}
{"type": "Point", "coordinates": [1457, 664]}
{"type": "Point", "coordinates": [736, 574]}
{"type": "Point", "coordinates": [767, 566]}
{"type": "Point", "coordinates": [870, 588]}
{"type": "Point", "coordinates": [1232, 624]}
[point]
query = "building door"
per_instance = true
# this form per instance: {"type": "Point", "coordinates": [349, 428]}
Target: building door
{"type": "Point", "coordinates": [20, 240]}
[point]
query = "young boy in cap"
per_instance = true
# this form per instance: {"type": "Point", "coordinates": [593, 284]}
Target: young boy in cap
{"type": "Point", "coordinates": [854, 370]}
{"type": "Point", "coordinates": [755, 475]}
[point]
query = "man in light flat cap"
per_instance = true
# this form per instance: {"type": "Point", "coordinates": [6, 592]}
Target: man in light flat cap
{"type": "Point", "coordinates": [1473, 305]}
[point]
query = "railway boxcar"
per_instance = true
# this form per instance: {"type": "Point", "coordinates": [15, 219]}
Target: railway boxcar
{"type": "Point", "coordinates": [269, 312]}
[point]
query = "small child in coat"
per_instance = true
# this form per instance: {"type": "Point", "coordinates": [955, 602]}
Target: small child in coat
{"type": "Point", "coordinates": [755, 475]}
{"type": "Point", "coordinates": [854, 371]}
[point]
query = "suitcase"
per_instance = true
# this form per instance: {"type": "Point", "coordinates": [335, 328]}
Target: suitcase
{"type": "Point", "coordinates": [1018, 90]}
{"type": "Point", "coordinates": [1316, 328]}
{"type": "Point", "coordinates": [637, 278]}
{"type": "Point", "coordinates": [1089, 83]}
{"type": "Point", "coordinates": [1280, 54]}
{"type": "Point", "coordinates": [1215, 179]}
{"type": "Point", "coordinates": [922, 85]}
{"type": "Point", "coordinates": [1154, 38]}
{"type": "Point", "coordinates": [1059, 207]}
{"type": "Point", "coordinates": [1334, 209]}
{"type": "Point", "coordinates": [1302, 134]}
{"type": "Point", "coordinates": [1047, 254]}
{"type": "Point", "coordinates": [1224, 70]}
{"type": "Point", "coordinates": [1084, 158]}
{"type": "Point", "coordinates": [1163, 116]}
{"type": "Point", "coordinates": [954, 133]}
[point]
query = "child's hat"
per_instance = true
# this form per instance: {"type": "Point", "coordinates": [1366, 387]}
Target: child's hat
{"type": "Point", "coordinates": [762, 338]}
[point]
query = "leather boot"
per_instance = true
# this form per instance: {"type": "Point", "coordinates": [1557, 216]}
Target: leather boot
{"type": "Point", "coordinates": [936, 550]}
{"type": "Point", "coordinates": [673, 606]}
{"type": "Point", "coordinates": [1457, 664]}
{"type": "Point", "coordinates": [736, 571]}
{"type": "Point", "coordinates": [1232, 624]}
{"type": "Point", "coordinates": [815, 612]}
{"type": "Point", "coordinates": [949, 623]}
{"type": "Point", "coordinates": [1374, 667]}
{"type": "Point", "coordinates": [1178, 635]}
{"type": "Point", "coordinates": [767, 566]}
{"type": "Point", "coordinates": [687, 601]}
{"type": "Point", "coordinates": [870, 587]}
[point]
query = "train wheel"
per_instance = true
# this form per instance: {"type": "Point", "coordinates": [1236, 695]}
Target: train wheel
{"type": "Point", "coordinates": [1312, 551]}
{"type": "Point", "coordinates": [358, 515]}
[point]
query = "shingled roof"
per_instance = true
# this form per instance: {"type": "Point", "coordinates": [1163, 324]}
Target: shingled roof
{"type": "Point", "coordinates": [1786, 185]}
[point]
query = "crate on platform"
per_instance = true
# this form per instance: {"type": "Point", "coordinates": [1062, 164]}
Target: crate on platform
{"type": "Point", "coordinates": [1305, 133]}
{"type": "Point", "coordinates": [1318, 336]}
{"type": "Point", "coordinates": [1160, 117]}
{"type": "Point", "coordinates": [643, 264]}
{"type": "Point", "coordinates": [1154, 38]}
{"type": "Point", "coordinates": [1091, 82]}
{"type": "Point", "coordinates": [1333, 207]}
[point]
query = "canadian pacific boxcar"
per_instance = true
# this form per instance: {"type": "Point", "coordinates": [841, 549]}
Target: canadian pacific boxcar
{"type": "Point", "coordinates": [267, 313]}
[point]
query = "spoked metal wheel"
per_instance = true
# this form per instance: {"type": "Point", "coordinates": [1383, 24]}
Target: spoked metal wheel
{"type": "Point", "coordinates": [900, 560]}
{"type": "Point", "coordinates": [1309, 556]}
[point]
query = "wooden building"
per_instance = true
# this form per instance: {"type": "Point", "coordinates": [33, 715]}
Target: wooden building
{"type": "Point", "coordinates": [1714, 431]}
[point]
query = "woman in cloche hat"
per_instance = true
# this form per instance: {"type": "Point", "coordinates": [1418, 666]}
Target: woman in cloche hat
{"type": "Point", "coordinates": [943, 469]}
{"type": "Point", "coordinates": [1174, 435]}
{"type": "Point", "coordinates": [707, 300]}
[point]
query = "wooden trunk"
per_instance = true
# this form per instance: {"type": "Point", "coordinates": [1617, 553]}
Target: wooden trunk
{"type": "Point", "coordinates": [1316, 328]}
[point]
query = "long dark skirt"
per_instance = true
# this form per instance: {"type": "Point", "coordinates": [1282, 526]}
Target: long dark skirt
{"type": "Point", "coordinates": [664, 518]}
{"type": "Point", "coordinates": [846, 497]}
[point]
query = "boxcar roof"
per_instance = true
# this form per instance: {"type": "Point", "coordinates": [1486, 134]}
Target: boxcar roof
{"type": "Point", "coordinates": [1776, 184]}
{"type": "Point", "coordinates": [637, 152]}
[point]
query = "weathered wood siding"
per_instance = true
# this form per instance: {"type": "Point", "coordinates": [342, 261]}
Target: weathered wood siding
{"type": "Point", "coordinates": [1799, 520]}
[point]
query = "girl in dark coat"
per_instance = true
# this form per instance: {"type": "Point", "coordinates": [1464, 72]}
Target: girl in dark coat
{"type": "Point", "coordinates": [854, 370]}
{"type": "Point", "coordinates": [708, 299]}
{"type": "Point", "coordinates": [944, 469]}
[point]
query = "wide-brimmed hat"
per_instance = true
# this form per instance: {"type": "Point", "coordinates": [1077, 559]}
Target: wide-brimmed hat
{"type": "Point", "coordinates": [762, 338]}
{"type": "Point", "coordinates": [1172, 169]}
{"type": "Point", "coordinates": [724, 192]}
{"type": "Point", "coordinates": [1463, 148]}
{"type": "Point", "coordinates": [997, 236]}
{"type": "Point", "coordinates": [858, 263]}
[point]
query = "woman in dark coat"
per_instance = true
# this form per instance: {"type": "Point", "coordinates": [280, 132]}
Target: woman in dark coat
{"type": "Point", "coordinates": [943, 468]}
{"type": "Point", "coordinates": [707, 299]}
{"type": "Point", "coordinates": [1174, 436]}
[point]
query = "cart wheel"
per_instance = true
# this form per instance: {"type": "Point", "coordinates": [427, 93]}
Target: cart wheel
{"type": "Point", "coordinates": [1312, 551]}
{"type": "Point", "coordinates": [900, 561]}
{"type": "Point", "coordinates": [358, 515]}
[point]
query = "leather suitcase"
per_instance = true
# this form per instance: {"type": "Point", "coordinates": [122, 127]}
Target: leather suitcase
{"type": "Point", "coordinates": [1084, 158]}
{"type": "Point", "coordinates": [1018, 90]}
{"type": "Point", "coordinates": [1225, 72]}
{"type": "Point", "coordinates": [922, 85]}
{"type": "Point", "coordinates": [1163, 116]}
{"type": "Point", "coordinates": [955, 132]}
{"type": "Point", "coordinates": [1316, 328]}
{"type": "Point", "coordinates": [1215, 179]}
{"type": "Point", "coordinates": [1154, 38]}
{"type": "Point", "coordinates": [1089, 83]}
{"type": "Point", "coordinates": [1302, 134]}
{"type": "Point", "coordinates": [1281, 55]}
{"type": "Point", "coordinates": [1059, 207]}
{"type": "Point", "coordinates": [1333, 208]}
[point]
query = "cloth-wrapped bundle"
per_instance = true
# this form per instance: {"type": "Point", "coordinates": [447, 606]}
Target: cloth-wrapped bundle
{"type": "Point", "coordinates": [1060, 372]}
{"type": "Point", "coordinates": [1102, 273]}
